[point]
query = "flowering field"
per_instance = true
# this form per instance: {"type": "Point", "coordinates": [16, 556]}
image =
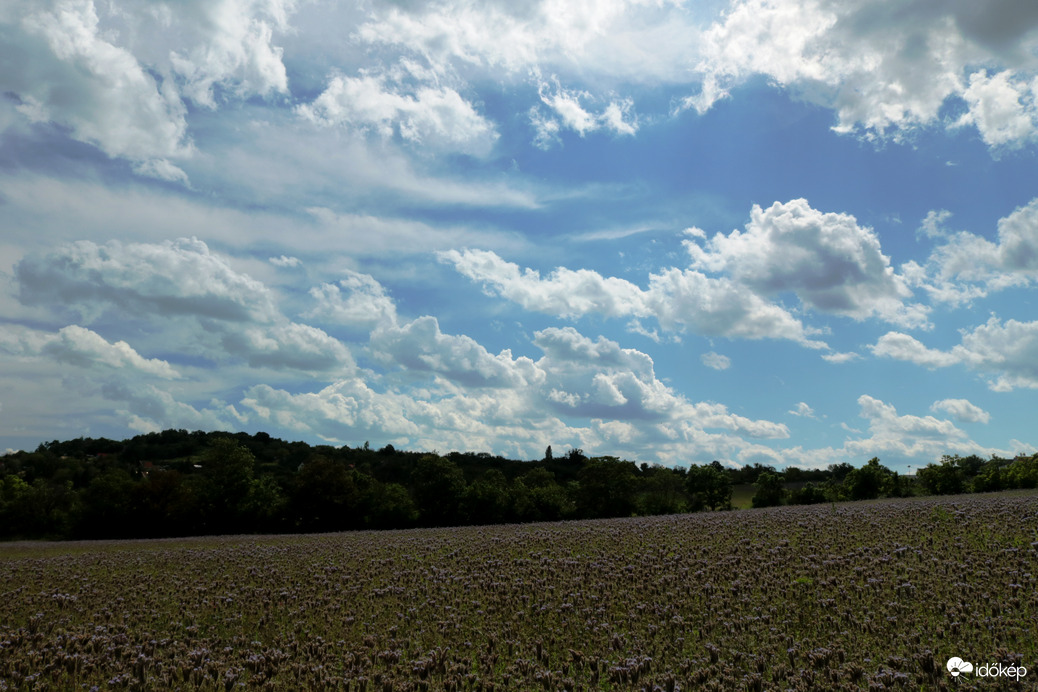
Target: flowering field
{"type": "Point", "coordinates": [854, 596]}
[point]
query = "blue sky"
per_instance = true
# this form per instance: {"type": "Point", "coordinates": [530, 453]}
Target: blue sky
{"type": "Point", "coordinates": [791, 233]}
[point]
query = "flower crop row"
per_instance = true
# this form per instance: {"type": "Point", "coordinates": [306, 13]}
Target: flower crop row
{"type": "Point", "coordinates": [843, 597]}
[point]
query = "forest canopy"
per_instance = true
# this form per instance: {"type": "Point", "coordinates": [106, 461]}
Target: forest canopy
{"type": "Point", "coordinates": [178, 483]}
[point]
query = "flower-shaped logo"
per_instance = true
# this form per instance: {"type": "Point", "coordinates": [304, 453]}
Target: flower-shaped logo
{"type": "Point", "coordinates": [956, 665]}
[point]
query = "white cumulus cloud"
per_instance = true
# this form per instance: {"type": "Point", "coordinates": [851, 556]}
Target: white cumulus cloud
{"type": "Point", "coordinates": [231, 46]}
{"type": "Point", "coordinates": [830, 262]}
{"type": "Point", "coordinates": [420, 346]}
{"type": "Point", "coordinates": [357, 301]}
{"type": "Point", "coordinates": [885, 69]}
{"type": "Point", "coordinates": [81, 347]}
{"type": "Point", "coordinates": [566, 292]}
{"type": "Point", "coordinates": [428, 115]}
{"type": "Point", "coordinates": [116, 74]}
{"type": "Point", "coordinates": [67, 71]}
{"type": "Point", "coordinates": [968, 266]}
{"type": "Point", "coordinates": [1002, 108]}
{"type": "Point", "coordinates": [152, 409]}
{"type": "Point", "coordinates": [678, 299]}
{"type": "Point", "coordinates": [961, 410]}
{"type": "Point", "coordinates": [1008, 350]}
{"type": "Point", "coordinates": [179, 277]}
{"type": "Point", "coordinates": [221, 313]}
{"type": "Point", "coordinates": [901, 346]}
{"type": "Point", "coordinates": [905, 435]}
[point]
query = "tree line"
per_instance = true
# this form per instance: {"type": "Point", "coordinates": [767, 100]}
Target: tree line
{"type": "Point", "coordinates": [179, 483]}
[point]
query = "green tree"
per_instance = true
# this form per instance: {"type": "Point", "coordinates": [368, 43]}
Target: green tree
{"type": "Point", "coordinates": [709, 486]}
{"type": "Point", "coordinates": [164, 506]}
{"type": "Point", "coordinates": [1023, 472]}
{"type": "Point", "coordinates": [898, 486]}
{"type": "Point", "coordinates": [992, 477]}
{"type": "Point", "coordinates": [488, 501]}
{"type": "Point", "coordinates": [537, 496]}
{"type": "Point", "coordinates": [837, 472]}
{"type": "Point", "coordinates": [809, 494]}
{"type": "Point", "coordinates": [971, 465]}
{"type": "Point", "coordinates": [576, 456]}
{"type": "Point", "coordinates": [388, 506]}
{"type": "Point", "coordinates": [945, 478]}
{"type": "Point", "coordinates": [439, 487]}
{"type": "Point", "coordinates": [41, 509]}
{"type": "Point", "coordinates": [264, 505]}
{"type": "Point", "coordinates": [869, 482]}
{"type": "Point", "coordinates": [771, 490]}
{"type": "Point", "coordinates": [748, 473]}
{"type": "Point", "coordinates": [15, 507]}
{"type": "Point", "coordinates": [107, 505]}
{"type": "Point", "coordinates": [607, 488]}
{"type": "Point", "coordinates": [663, 491]}
{"type": "Point", "coordinates": [227, 473]}
{"type": "Point", "coordinates": [325, 496]}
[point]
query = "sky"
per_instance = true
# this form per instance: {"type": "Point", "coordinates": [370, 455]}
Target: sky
{"type": "Point", "coordinates": [786, 232]}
